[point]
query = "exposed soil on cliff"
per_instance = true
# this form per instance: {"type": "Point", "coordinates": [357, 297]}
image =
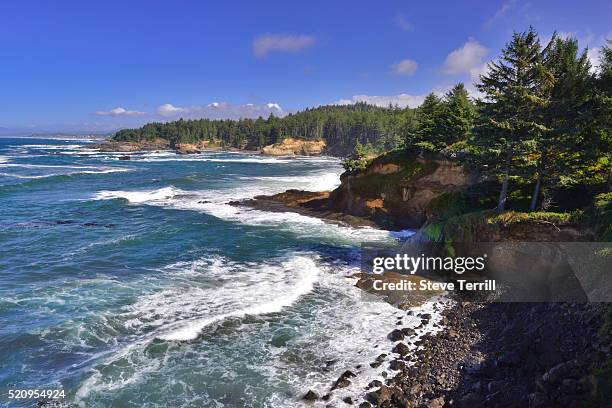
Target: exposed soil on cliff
{"type": "Point", "coordinates": [291, 146]}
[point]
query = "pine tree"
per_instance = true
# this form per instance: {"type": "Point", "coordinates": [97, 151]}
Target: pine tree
{"type": "Point", "coordinates": [429, 122]}
{"type": "Point", "coordinates": [458, 116]}
{"type": "Point", "coordinates": [600, 141]}
{"type": "Point", "coordinates": [515, 90]}
{"type": "Point", "coordinates": [557, 148]}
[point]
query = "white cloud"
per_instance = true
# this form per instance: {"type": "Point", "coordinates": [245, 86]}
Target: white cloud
{"type": "Point", "coordinates": [220, 110]}
{"type": "Point", "coordinates": [594, 44]}
{"type": "Point", "coordinates": [594, 56]}
{"type": "Point", "coordinates": [402, 100]}
{"type": "Point", "coordinates": [268, 43]}
{"type": "Point", "coordinates": [403, 23]}
{"type": "Point", "coordinates": [466, 59]}
{"type": "Point", "coordinates": [119, 111]}
{"type": "Point", "coordinates": [405, 67]}
{"type": "Point", "coordinates": [167, 109]}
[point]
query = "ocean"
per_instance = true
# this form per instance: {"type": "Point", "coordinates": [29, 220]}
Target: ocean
{"type": "Point", "coordinates": [134, 283]}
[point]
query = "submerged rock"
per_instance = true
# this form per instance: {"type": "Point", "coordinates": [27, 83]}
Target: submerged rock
{"type": "Point", "coordinates": [343, 381]}
{"type": "Point", "coordinates": [310, 396]}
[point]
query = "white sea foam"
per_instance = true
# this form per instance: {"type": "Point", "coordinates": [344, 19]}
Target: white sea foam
{"type": "Point", "coordinates": [215, 203]}
{"type": "Point", "coordinates": [70, 172]}
{"type": "Point", "coordinates": [160, 196]}
{"type": "Point", "coordinates": [181, 312]}
{"type": "Point", "coordinates": [272, 290]}
{"type": "Point", "coordinates": [335, 322]}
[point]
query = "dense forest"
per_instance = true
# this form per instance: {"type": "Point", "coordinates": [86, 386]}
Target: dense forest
{"type": "Point", "coordinates": [340, 126]}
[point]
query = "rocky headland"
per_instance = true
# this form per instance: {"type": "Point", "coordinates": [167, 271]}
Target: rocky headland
{"type": "Point", "coordinates": [489, 354]}
{"type": "Point", "coordinates": [295, 147]}
{"type": "Point", "coordinates": [287, 147]}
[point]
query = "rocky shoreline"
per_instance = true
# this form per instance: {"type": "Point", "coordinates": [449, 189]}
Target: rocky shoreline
{"type": "Point", "coordinates": [488, 355]}
{"type": "Point", "coordinates": [287, 147]}
{"type": "Point", "coordinates": [499, 355]}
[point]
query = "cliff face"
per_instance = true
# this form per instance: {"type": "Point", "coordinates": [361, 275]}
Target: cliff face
{"type": "Point", "coordinates": [291, 146]}
{"type": "Point", "coordinates": [398, 189]}
{"type": "Point", "coordinates": [190, 148]}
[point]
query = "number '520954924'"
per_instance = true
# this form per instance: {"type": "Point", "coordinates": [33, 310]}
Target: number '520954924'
{"type": "Point", "coordinates": [36, 393]}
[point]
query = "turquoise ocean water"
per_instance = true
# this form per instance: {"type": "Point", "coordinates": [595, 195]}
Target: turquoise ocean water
{"type": "Point", "coordinates": [134, 283]}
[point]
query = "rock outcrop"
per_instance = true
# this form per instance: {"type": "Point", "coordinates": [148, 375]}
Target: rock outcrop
{"type": "Point", "coordinates": [157, 144]}
{"type": "Point", "coordinates": [291, 147]}
{"type": "Point", "coordinates": [191, 148]}
{"type": "Point", "coordinates": [397, 189]}
{"type": "Point", "coordinates": [132, 146]}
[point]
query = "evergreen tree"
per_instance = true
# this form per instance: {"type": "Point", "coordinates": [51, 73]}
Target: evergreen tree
{"type": "Point", "coordinates": [557, 148]}
{"type": "Point", "coordinates": [429, 125]}
{"type": "Point", "coordinates": [599, 149]}
{"type": "Point", "coordinates": [515, 90]}
{"type": "Point", "coordinates": [458, 116]}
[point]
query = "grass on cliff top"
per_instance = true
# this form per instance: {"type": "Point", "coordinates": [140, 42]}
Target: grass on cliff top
{"type": "Point", "coordinates": [603, 216]}
{"type": "Point", "coordinates": [401, 157]}
{"type": "Point", "coordinates": [467, 226]}
{"type": "Point", "coordinates": [373, 185]}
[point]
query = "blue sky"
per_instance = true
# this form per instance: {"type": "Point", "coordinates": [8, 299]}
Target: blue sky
{"type": "Point", "coordinates": [101, 65]}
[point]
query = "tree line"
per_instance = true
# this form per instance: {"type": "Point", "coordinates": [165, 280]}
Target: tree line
{"type": "Point", "coordinates": [341, 126]}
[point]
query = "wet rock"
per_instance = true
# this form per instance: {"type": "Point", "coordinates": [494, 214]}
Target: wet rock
{"type": "Point", "coordinates": [509, 359]}
{"type": "Point", "coordinates": [560, 371]}
{"type": "Point", "coordinates": [401, 349]}
{"type": "Point", "coordinates": [471, 400]}
{"type": "Point", "coordinates": [365, 404]}
{"type": "Point", "coordinates": [343, 381]}
{"type": "Point", "coordinates": [569, 386]}
{"type": "Point", "coordinates": [374, 384]}
{"type": "Point", "coordinates": [397, 365]}
{"type": "Point", "coordinates": [537, 400]}
{"type": "Point", "coordinates": [329, 363]}
{"type": "Point", "coordinates": [310, 396]}
{"type": "Point", "coordinates": [495, 386]}
{"type": "Point", "coordinates": [408, 332]}
{"type": "Point", "coordinates": [378, 397]}
{"type": "Point", "coordinates": [348, 400]}
{"type": "Point", "coordinates": [124, 158]}
{"type": "Point", "coordinates": [396, 335]}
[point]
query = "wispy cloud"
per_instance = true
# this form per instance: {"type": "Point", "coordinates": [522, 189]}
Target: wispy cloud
{"type": "Point", "coordinates": [220, 110]}
{"type": "Point", "coordinates": [402, 22]}
{"type": "Point", "coordinates": [402, 100]}
{"type": "Point", "coordinates": [405, 67]}
{"type": "Point", "coordinates": [501, 13]}
{"type": "Point", "coordinates": [266, 44]}
{"type": "Point", "coordinates": [119, 111]}
{"type": "Point", "coordinates": [465, 59]}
